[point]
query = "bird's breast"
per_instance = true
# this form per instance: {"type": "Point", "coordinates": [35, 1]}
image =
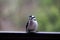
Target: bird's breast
{"type": "Point", "coordinates": [32, 25]}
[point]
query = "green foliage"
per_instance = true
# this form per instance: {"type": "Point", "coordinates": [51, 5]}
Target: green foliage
{"type": "Point", "coordinates": [44, 3]}
{"type": "Point", "coordinates": [48, 16]}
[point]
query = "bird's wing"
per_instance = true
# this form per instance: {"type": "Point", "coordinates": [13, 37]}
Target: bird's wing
{"type": "Point", "coordinates": [27, 24]}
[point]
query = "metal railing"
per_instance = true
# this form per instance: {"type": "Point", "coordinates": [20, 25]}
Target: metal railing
{"type": "Point", "coordinates": [25, 32]}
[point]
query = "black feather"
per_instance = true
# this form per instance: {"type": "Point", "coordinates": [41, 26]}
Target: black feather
{"type": "Point", "coordinates": [27, 25]}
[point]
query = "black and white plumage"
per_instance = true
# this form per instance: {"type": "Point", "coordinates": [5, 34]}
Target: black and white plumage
{"type": "Point", "coordinates": [32, 24]}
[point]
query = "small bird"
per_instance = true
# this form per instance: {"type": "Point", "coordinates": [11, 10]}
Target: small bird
{"type": "Point", "coordinates": [32, 25]}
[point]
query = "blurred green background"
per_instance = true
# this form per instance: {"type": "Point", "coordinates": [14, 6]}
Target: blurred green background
{"type": "Point", "coordinates": [47, 13]}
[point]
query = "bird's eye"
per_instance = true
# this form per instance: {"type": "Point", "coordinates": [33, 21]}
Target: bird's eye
{"type": "Point", "coordinates": [33, 17]}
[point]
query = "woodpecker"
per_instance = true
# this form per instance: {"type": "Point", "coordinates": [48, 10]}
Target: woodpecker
{"type": "Point", "coordinates": [32, 25]}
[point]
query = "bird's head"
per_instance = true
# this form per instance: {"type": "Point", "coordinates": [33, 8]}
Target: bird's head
{"type": "Point", "coordinates": [32, 17]}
